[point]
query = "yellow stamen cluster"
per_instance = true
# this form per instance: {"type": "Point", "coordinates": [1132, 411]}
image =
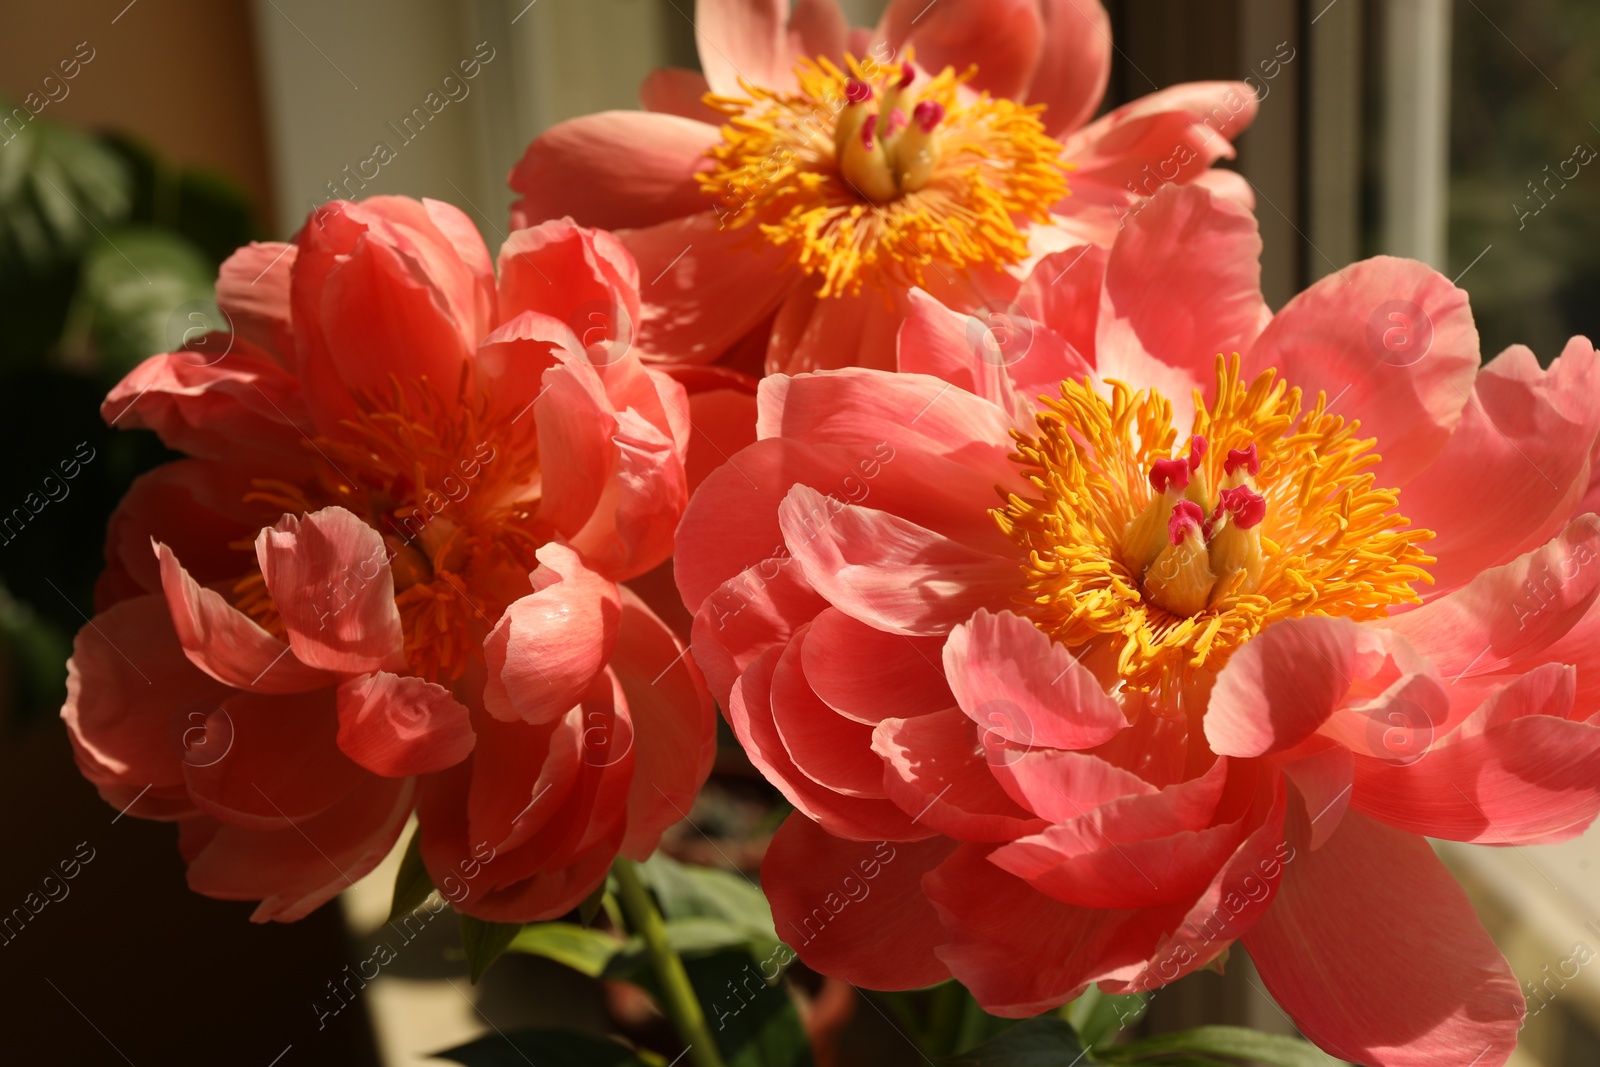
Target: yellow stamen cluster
{"type": "Point", "coordinates": [958, 196]}
{"type": "Point", "coordinates": [1331, 543]}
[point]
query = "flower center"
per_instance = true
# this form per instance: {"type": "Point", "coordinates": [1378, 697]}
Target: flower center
{"type": "Point", "coordinates": [1158, 567]}
{"type": "Point", "coordinates": [867, 178]}
{"type": "Point", "coordinates": [453, 489]}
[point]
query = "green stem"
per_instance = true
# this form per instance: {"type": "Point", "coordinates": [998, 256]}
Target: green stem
{"type": "Point", "coordinates": [683, 1007]}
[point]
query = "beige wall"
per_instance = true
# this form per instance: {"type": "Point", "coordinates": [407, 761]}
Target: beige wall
{"type": "Point", "coordinates": [177, 74]}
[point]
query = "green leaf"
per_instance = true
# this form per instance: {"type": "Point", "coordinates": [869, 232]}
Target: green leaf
{"type": "Point", "coordinates": [149, 291]}
{"type": "Point", "coordinates": [602, 955]}
{"type": "Point", "coordinates": [1235, 1041]}
{"type": "Point", "coordinates": [411, 883]}
{"type": "Point", "coordinates": [686, 892]}
{"type": "Point", "coordinates": [484, 941]}
{"type": "Point", "coordinates": [594, 902]}
{"type": "Point", "coordinates": [579, 947]}
{"type": "Point", "coordinates": [56, 186]}
{"type": "Point", "coordinates": [547, 1048]}
{"type": "Point", "coordinates": [1043, 1042]}
{"type": "Point", "coordinates": [690, 938]}
{"type": "Point", "coordinates": [755, 1023]}
{"type": "Point", "coordinates": [203, 206]}
{"type": "Point", "coordinates": [34, 653]}
{"type": "Point", "coordinates": [1100, 1017]}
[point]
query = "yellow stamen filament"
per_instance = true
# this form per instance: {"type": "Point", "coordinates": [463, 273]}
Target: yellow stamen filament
{"type": "Point", "coordinates": [795, 168]}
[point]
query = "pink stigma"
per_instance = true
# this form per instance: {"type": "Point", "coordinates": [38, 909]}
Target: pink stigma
{"type": "Point", "coordinates": [857, 92]}
{"type": "Point", "coordinates": [868, 128]}
{"type": "Point", "coordinates": [928, 114]}
{"type": "Point", "coordinates": [1198, 446]}
{"type": "Point", "coordinates": [1247, 506]}
{"type": "Point", "coordinates": [1242, 457]}
{"type": "Point", "coordinates": [1169, 472]}
{"type": "Point", "coordinates": [1186, 516]}
{"type": "Point", "coordinates": [907, 76]}
{"type": "Point", "coordinates": [892, 125]}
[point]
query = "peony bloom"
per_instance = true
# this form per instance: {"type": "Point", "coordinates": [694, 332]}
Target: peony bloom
{"type": "Point", "coordinates": [782, 205]}
{"type": "Point", "coordinates": [386, 577]}
{"type": "Point", "coordinates": [1232, 636]}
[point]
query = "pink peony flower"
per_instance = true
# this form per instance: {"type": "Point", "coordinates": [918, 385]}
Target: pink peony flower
{"type": "Point", "coordinates": [782, 206]}
{"type": "Point", "coordinates": [1228, 641]}
{"type": "Point", "coordinates": [388, 572]}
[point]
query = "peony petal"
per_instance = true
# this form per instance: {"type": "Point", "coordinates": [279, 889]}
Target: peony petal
{"type": "Point", "coordinates": [675, 91]}
{"type": "Point", "coordinates": [242, 406]}
{"type": "Point", "coordinates": [886, 571]}
{"type": "Point", "coordinates": [1352, 926]}
{"type": "Point", "coordinates": [295, 870]}
{"type": "Point", "coordinates": [1322, 771]}
{"type": "Point", "coordinates": [1531, 777]}
{"type": "Point", "coordinates": [196, 507]}
{"type": "Point", "coordinates": [584, 278]}
{"type": "Point", "coordinates": [868, 675]}
{"type": "Point", "coordinates": [1075, 64]}
{"type": "Point", "coordinates": [615, 170]}
{"type": "Point", "coordinates": [831, 750]}
{"type": "Point", "coordinates": [1060, 786]}
{"type": "Point", "coordinates": [267, 762]}
{"type": "Point", "coordinates": [1298, 674]}
{"type": "Point", "coordinates": [253, 291]}
{"type": "Point", "coordinates": [549, 646]}
{"type": "Point", "coordinates": [724, 422]}
{"type": "Point", "coordinates": [1509, 614]}
{"type": "Point", "coordinates": [575, 425]}
{"type": "Point", "coordinates": [855, 909]}
{"type": "Point", "coordinates": [753, 483]}
{"type": "Point", "coordinates": [1241, 891]}
{"type": "Point", "coordinates": [910, 412]}
{"type": "Point", "coordinates": [1142, 851]}
{"type": "Point", "coordinates": [705, 285]}
{"type": "Point", "coordinates": [399, 727]}
{"type": "Point", "coordinates": [328, 574]}
{"type": "Point", "coordinates": [1182, 285]}
{"type": "Point", "coordinates": [749, 713]}
{"type": "Point", "coordinates": [379, 294]}
{"type": "Point", "coordinates": [933, 766]}
{"type": "Point", "coordinates": [1516, 465]}
{"type": "Point", "coordinates": [1392, 344]}
{"type": "Point", "coordinates": [966, 351]}
{"type": "Point", "coordinates": [674, 724]}
{"type": "Point", "coordinates": [993, 919]}
{"type": "Point", "coordinates": [133, 702]}
{"type": "Point", "coordinates": [819, 28]}
{"type": "Point", "coordinates": [634, 534]}
{"type": "Point", "coordinates": [226, 643]}
{"type": "Point", "coordinates": [473, 295]}
{"type": "Point", "coordinates": [1062, 294]}
{"type": "Point", "coordinates": [1171, 136]}
{"type": "Point", "coordinates": [759, 609]}
{"type": "Point", "coordinates": [1021, 687]}
{"type": "Point", "coordinates": [1002, 37]}
{"type": "Point", "coordinates": [743, 39]}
